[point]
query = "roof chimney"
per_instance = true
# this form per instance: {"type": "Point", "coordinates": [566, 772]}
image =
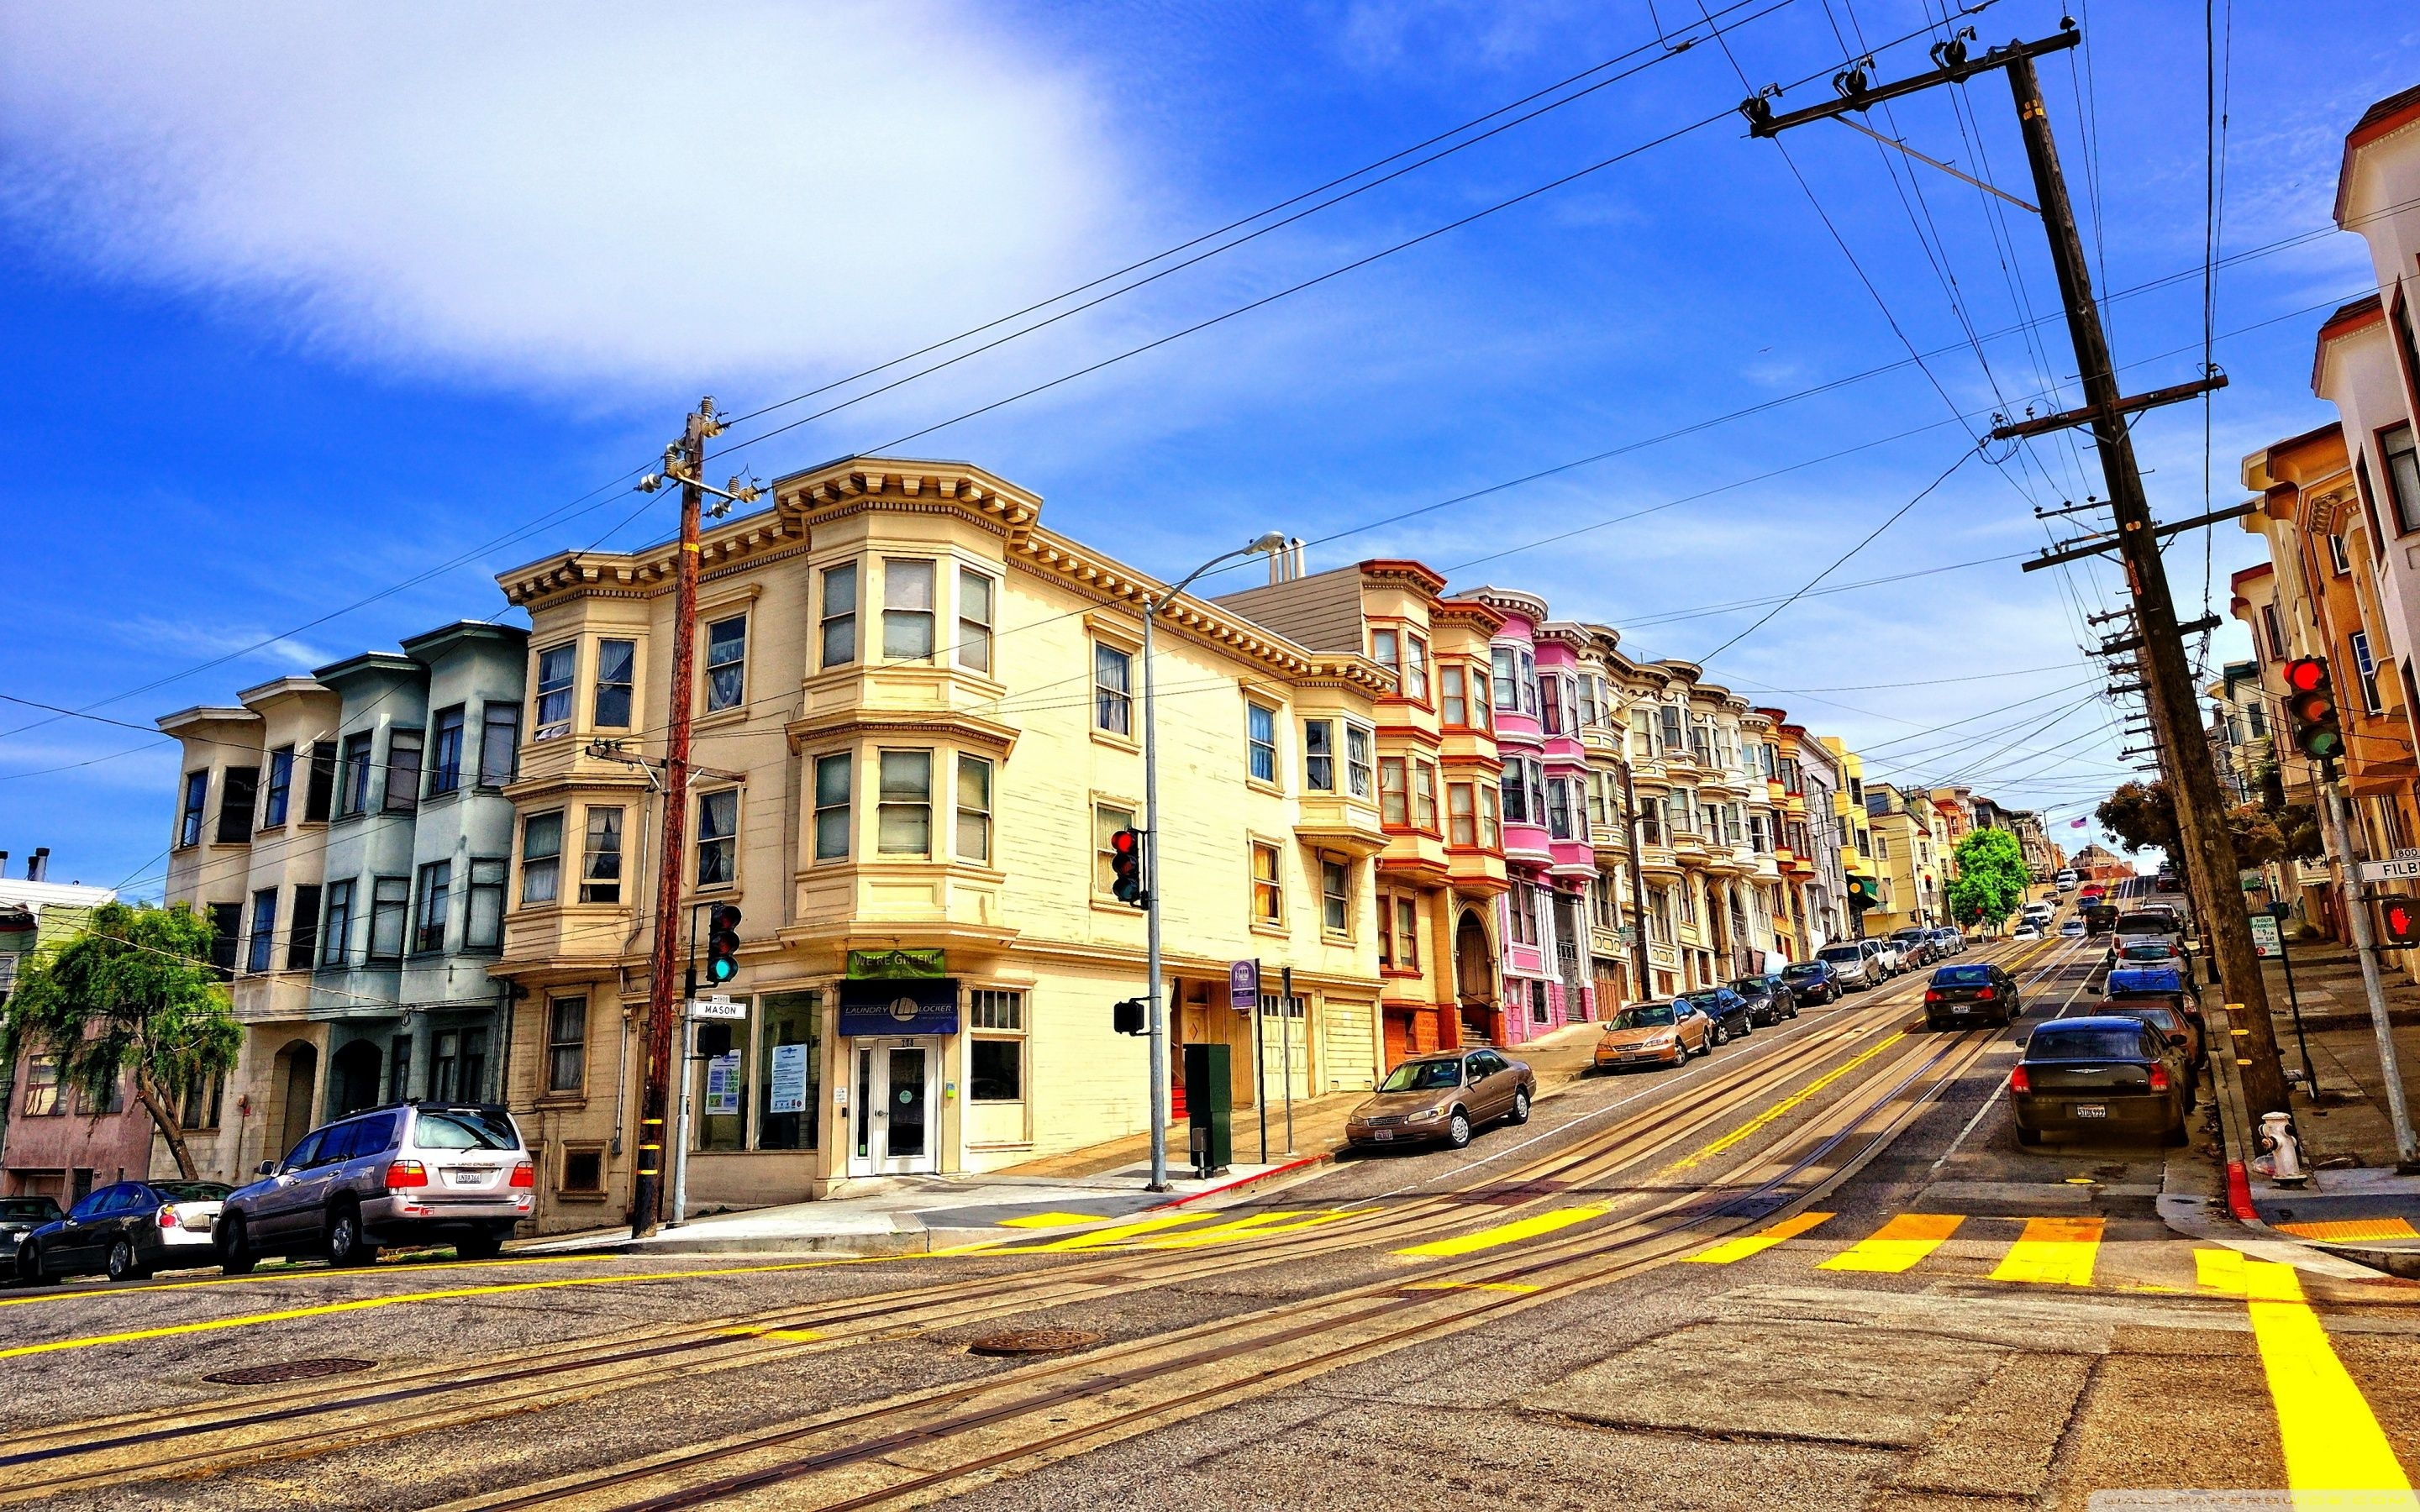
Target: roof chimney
{"type": "Point", "coordinates": [37, 864]}
{"type": "Point", "coordinates": [1285, 563]}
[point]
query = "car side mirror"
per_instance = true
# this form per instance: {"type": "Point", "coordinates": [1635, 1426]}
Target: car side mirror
{"type": "Point", "coordinates": [267, 1167]}
{"type": "Point", "coordinates": [2178, 1041]}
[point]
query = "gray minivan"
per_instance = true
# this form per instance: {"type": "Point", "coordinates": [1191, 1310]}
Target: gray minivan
{"type": "Point", "coordinates": [413, 1173]}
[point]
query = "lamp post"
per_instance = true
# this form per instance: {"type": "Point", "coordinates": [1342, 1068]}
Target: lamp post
{"type": "Point", "coordinates": [1158, 1021]}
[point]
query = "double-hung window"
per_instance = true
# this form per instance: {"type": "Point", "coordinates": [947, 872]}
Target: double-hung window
{"type": "Point", "coordinates": [1461, 813]}
{"type": "Point", "coordinates": [974, 810]}
{"type": "Point", "coordinates": [2367, 667]}
{"type": "Point", "coordinates": [1516, 791]}
{"type": "Point", "coordinates": [500, 738]}
{"type": "Point", "coordinates": [2402, 467]}
{"type": "Point", "coordinates": [356, 798]}
{"type": "Point", "coordinates": [839, 623]}
{"type": "Point", "coordinates": [263, 954]}
{"type": "Point", "coordinates": [1507, 663]}
{"type": "Point", "coordinates": [1491, 829]}
{"type": "Point", "coordinates": [541, 859]}
{"type": "Point", "coordinates": [390, 900]}
{"type": "Point", "coordinates": [1529, 685]}
{"type": "Point", "coordinates": [1453, 704]}
{"type": "Point", "coordinates": [1107, 822]}
{"type": "Point", "coordinates": [1269, 894]}
{"type": "Point", "coordinates": [1559, 808]}
{"type": "Point", "coordinates": [726, 664]}
{"type": "Point", "coordinates": [483, 921]}
{"type": "Point", "coordinates": [1424, 796]}
{"type": "Point", "coordinates": [616, 677]}
{"type": "Point", "coordinates": [1319, 755]}
{"type": "Point", "coordinates": [1407, 934]}
{"type": "Point", "coordinates": [1112, 689]}
{"type": "Point", "coordinates": [302, 934]}
{"type": "Point", "coordinates": [188, 816]}
{"type": "Point", "coordinates": [402, 771]}
{"type": "Point", "coordinates": [1415, 668]}
{"type": "Point", "coordinates": [717, 842]}
{"type": "Point", "coordinates": [336, 935]}
{"type": "Point", "coordinates": [906, 609]}
{"type": "Point", "coordinates": [1335, 896]}
{"type": "Point", "coordinates": [550, 718]}
{"type": "Point", "coordinates": [1358, 743]}
{"type": "Point", "coordinates": [831, 807]}
{"type": "Point", "coordinates": [566, 1044]}
{"type": "Point", "coordinates": [1550, 704]}
{"type": "Point", "coordinates": [445, 759]}
{"type": "Point", "coordinates": [1261, 742]}
{"type": "Point", "coordinates": [237, 791]}
{"type": "Point", "coordinates": [1386, 649]}
{"type": "Point", "coordinates": [601, 856]}
{"type": "Point", "coordinates": [277, 796]}
{"type": "Point", "coordinates": [903, 816]}
{"type": "Point", "coordinates": [1674, 734]}
{"type": "Point", "coordinates": [1394, 793]}
{"type": "Point", "coordinates": [434, 906]}
{"type": "Point", "coordinates": [975, 611]}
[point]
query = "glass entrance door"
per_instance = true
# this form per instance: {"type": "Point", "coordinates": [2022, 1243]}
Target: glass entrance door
{"type": "Point", "coordinates": [892, 1132]}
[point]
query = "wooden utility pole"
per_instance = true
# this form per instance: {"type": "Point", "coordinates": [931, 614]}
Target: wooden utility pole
{"type": "Point", "coordinates": [663, 1002]}
{"type": "Point", "coordinates": [2192, 779]}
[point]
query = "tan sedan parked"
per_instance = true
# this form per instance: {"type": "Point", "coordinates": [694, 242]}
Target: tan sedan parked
{"type": "Point", "coordinates": [1443, 1096]}
{"type": "Point", "coordinates": [1654, 1034]}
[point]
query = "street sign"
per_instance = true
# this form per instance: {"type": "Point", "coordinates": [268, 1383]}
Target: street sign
{"type": "Point", "coordinates": [2266, 942]}
{"type": "Point", "coordinates": [2401, 869]}
{"type": "Point", "coordinates": [717, 1005]}
{"type": "Point", "coordinates": [1244, 985]}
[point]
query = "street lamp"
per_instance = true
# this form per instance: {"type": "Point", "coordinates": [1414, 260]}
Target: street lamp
{"type": "Point", "coordinates": [1273, 541]}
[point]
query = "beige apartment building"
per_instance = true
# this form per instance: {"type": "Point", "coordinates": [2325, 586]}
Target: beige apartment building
{"type": "Point", "coordinates": [917, 721]}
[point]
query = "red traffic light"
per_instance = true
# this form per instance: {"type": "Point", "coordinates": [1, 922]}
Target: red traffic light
{"type": "Point", "coordinates": [2307, 675]}
{"type": "Point", "coordinates": [1126, 868]}
{"type": "Point", "coordinates": [2398, 920]}
{"type": "Point", "coordinates": [1124, 842]}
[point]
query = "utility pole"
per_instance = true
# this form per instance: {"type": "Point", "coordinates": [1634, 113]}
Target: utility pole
{"type": "Point", "coordinates": [2201, 812]}
{"type": "Point", "coordinates": [685, 460]}
{"type": "Point", "coordinates": [1643, 987]}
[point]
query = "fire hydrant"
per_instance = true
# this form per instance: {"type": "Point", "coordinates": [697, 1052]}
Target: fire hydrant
{"type": "Point", "coordinates": [2284, 1151]}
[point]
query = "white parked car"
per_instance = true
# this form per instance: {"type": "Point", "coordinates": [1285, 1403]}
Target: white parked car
{"type": "Point", "coordinates": [2027, 932]}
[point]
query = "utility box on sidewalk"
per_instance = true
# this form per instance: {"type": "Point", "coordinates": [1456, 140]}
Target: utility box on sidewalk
{"type": "Point", "coordinates": [1209, 1108]}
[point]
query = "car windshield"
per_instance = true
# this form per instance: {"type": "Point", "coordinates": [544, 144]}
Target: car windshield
{"type": "Point", "coordinates": [2058, 1041]}
{"type": "Point", "coordinates": [1645, 1016]}
{"type": "Point", "coordinates": [1962, 975]}
{"type": "Point", "coordinates": [464, 1129]}
{"type": "Point", "coordinates": [1752, 984]}
{"type": "Point", "coordinates": [2147, 950]}
{"type": "Point", "coordinates": [1423, 1076]}
{"type": "Point", "coordinates": [40, 1210]}
{"type": "Point", "coordinates": [1802, 969]}
{"type": "Point", "coordinates": [1707, 1002]}
{"type": "Point", "coordinates": [2158, 1017]}
{"type": "Point", "coordinates": [1842, 952]}
{"type": "Point", "coordinates": [192, 1191]}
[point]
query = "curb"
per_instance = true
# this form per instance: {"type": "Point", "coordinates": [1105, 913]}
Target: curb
{"type": "Point", "coordinates": [1245, 1182]}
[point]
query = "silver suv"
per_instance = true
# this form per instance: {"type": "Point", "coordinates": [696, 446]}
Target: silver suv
{"type": "Point", "coordinates": [413, 1173]}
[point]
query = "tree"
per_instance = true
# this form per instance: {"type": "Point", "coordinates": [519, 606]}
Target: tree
{"type": "Point", "coordinates": [2142, 817]}
{"type": "Point", "coordinates": [133, 995]}
{"type": "Point", "coordinates": [1992, 877]}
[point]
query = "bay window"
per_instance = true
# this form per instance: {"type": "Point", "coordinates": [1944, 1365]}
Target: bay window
{"type": "Point", "coordinates": [1357, 744]}
{"type": "Point", "coordinates": [552, 716]}
{"type": "Point", "coordinates": [974, 620]}
{"type": "Point", "coordinates": [601, 856]}
{"type": "Point", "coordinates": [906, 609]}
{"type": "Point", "coordinates": [903, 804]}
{"type": "Point", "coordinates": [1319, 755]}
{"type": "Point", "coordinates": [974, 810]}
{"type": "Point", "coordinates": [839, 623]}
{"type": "Point", "coordinates": [1424, 796]}
{"type": "Point", "coordinates": [831, 807]}
{"type": "Point", "coordinates": [616, 675]}
{"type": "Point", "coordinates": [541, 859]}
{"type": "Point", "coordinates": [1394, 803]}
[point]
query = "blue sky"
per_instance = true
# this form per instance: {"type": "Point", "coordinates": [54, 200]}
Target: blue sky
{"type": "Point", "coordinates": [318, 318]}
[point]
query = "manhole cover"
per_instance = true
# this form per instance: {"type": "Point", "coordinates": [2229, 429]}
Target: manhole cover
{"type": "Point", "coordinates": [263, 1375]}
{"type": "Point", "coordinates": [1035, 1341]}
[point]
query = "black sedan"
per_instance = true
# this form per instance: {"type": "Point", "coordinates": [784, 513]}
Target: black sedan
{"type": "Point", "coordinates": [1812, 981]}
{"type": "Point", "coordinates": [20, 1216]}
{"type": "Point", "coordinates": [1725, 1010]}
{"type": "Point", "coordinates": [2099, 1077]}
{"type": "Point", "coordinates": [128, 1231]}
{"type": "Point", "coordinates": [1769, 999]}
{"type": "Point", "coordinates": [1979, 993]}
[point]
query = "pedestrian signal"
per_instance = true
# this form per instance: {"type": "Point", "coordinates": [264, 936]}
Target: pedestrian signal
{"type": "Point", "coordinates": [2398, 920]}
{"type": "Point", "coordinates": [1127, 1017]}
{"type": "Point", "coordinates": [2311, 709]}
{"type": "Point", "coordinates": [1125, 867]}
{"type": "Point", "coordinates": [722, 943]}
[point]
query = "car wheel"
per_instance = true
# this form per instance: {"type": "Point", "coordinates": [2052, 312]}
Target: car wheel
{"type": "Point", "coordinates": [235, 1250]}
{"type": "Point", "coordinates": [122, 1265]}
{"type": "Point", "coordinates": [346, 1244]}
{"type": "Point", "coordinates": [478, 1246]}
{"type": "Point", "coordinates": [2028, 1136]}
{"type": "Point", "coordinates": [1457, 1129]}
{"type": "Point", "coordinates": [1520, 1106]}
{"type": "Point", "coordinates": [29, 1266]}
{"type": "Point", "coordinates": [1714, 1036]}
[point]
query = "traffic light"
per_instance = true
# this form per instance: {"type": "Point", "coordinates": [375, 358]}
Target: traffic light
{"type": "Point", "coordinates": [1865, 892]}
{"type": "Point", "coordinates": [1125, 867]}
{"type": "Point", "coordinates": [1128, 1017]}
{"type": "Point", "coordinates": [722, 943]}
{"type": "Point", "coordinates": [2398, 920]}
{"type": "Point", "coordinates": [2311, 709]}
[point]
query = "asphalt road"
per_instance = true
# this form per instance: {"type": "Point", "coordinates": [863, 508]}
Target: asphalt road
{"type": "Point", "coordinates": [1813, 1270]}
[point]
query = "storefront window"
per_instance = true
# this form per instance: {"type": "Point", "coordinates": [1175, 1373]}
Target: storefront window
{"type": "Point", "coordinates": [720, 1081]}
{"type": "Point", "coordinates": [790, 1096]}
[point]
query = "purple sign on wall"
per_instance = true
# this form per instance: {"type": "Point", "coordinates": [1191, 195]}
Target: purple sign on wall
{"type": "Point", "coordinates": [1244, 985]}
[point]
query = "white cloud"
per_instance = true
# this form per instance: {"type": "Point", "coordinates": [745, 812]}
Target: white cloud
{"type": "Point", "coordinates": [566, 192]}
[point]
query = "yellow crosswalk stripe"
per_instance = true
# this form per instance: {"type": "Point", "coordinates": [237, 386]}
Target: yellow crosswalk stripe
{"type": "Point", "coordinates": [2053, 1252]}
{"type": "Point", "coordinates": [2341, 1228]}
{"type": "Point", "coordinates": [2220, 1270]}
{"type": "Point", "coordinates": [2332, 1439]}
{"type": "Point", "coordinates": [1897, 1244]}
{"type": "Point", "coordinates": [1050, 1220]}
{"type": "Point", "coordinates": [1257, 1225]}
{"type": "Point", "coordinates": [1520, 1229]}
{"type": "Point", "coordinates": [1118, 1233]}
{"type": "Point", "coordinates": [1758, 1242]}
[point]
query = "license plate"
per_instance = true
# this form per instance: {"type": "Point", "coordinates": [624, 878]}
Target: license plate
{"type": "Point", "coordinates": [2092, 1110]}
{"type": "Point", "coordinates": [1381, 1135]}
{"type": "Point", "coordinates": [468, 1178]}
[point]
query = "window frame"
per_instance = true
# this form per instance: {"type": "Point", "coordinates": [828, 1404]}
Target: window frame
{"type": "Point", "coordinates": [567, 1049]}
{"type": "Point", "coordinates": [911, 617]}
{"type": "Point", "coordinates": [1104, 875]}
{"type": "Point", "coordinates": [725, 844]}
{"type": "Point", "coordinates": [1336, 897]}
{"type": "Point", "coordinates": [487, 881]}
{"type": "Point", "coordinates": [196, 804]}
{"type": "Point", "coordinates": [238, 790]}
{"type": "Point", "coordinates": [547, 864]}
{"type": "Point", "coordinates": [1425, 815]}
{"type": "Point", "coordinates": [1267, 888]}
{"type": "Point", "coordinates": [277, 792]}
{"type": "Point", "coordinates": [972, 647]}
{"type": "Point", "coordinates": [2403, 481]}
{"type": "Point", "coordinates": [302, 927]}
{"type": "Point", "coordinates": [1319, 755]}
{"type": "Point", "coordinates": [985, 1008]}
{"type": "Point", "coordinates": [432, 906]}
{"type": "Point", "coordinates": [1261, 742]}
{"type": "Point", "coordinates": [443, 752]}
{"type": "Point", "coordinates": [1462, 815]}
{"type": "Point", "coordinates": [397, 908]}
{"type": "Point", "coordinates": [840, 623]}
{"type": "Point", "coordinates": [1415, 668]}
{"type": "Point", "coordinates": [496, 716]}
{"type": "Point", "coordinates": [711, 684]}
{"type": "Point", "coordinates": [1395, 793]}
{"type": "Point", "coordinates": [336, 923]}
{"type": "Point", "coordinates": [974, 818]}
{"type": "Point", "coordinates": [596, 888]}
{"type": "Point", "coordinates": [262, 946]}
{"type": "Point", "coordinates": [907, 806]}
{"type": "Point", "coordinates": [552, 691]}
{"type": "Point", "coordinates": [613, 699]}
{"type": "Point", "coordinates": [1453, 695]}
{"type": "Point", "coordinates": [1361, 760]}
{"type": "Point", "coordinates": [397, 743]}
{"type": "Point", "coordinates": [1113, 704]}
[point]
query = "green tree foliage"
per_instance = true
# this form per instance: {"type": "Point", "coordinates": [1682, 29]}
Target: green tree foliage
{"type": "Point", "coordinates": [133, 994]}
{"type": "Point", "coordinates": [1992, 878]}
{"type": "Point", "coordinates": [2142, 817]}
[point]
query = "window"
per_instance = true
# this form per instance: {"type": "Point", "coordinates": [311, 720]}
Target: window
{"type": "Point", "coordinates": [1394, 797]}
{"type": "Point", "coordinates": [322, 791]}
{"type": "Point", "coordinates": [1356, 760]}
{"type": "Point", "coordinates": [483, 924]}
{"type": "Point", "coordinates": [974, 620]}
{"type": "Point", "coordinates": [840, 615]}
{"type": "Point", "coordinates": [1461, 814]}
{"type": "Point", "coordinates": [336, 943]}
{"type": "Point", "coordinates": [555, 665]}
{"type": "Point", "coordinates": [1260, 740]}
{"type": "Point", "coordinates": [1651, 822]}
{"type": "Point", "coordinates": [616, 669]}
{"type": "Point", "coordinates": [1386, 651]}
{"type": "Point", "coordinates": [718, 829]}
{"type": "Point", "coordinates": [1550, 704]}
{"type": "Point", "coordinates": [1268, 897]}
{"type": "Point", "coordinates": [398, 1069]}
{"type": "Point", "coordinates": [1491, 832]}
{"type": "Point", "coordinates": [1107, 822]}
{"type": "Point", "coordinates": [1415, 668]}
{"type": "Point", "coordinates": [1424, 796]}
{"type": "Point", "coordinates": [1528, 684]}
{"type": "Point", "coordinates": [1589, 683]}
{"type": "Point", "coordinates": [1559, 808]}
{"type": "Point", "coordinates": [1112, 690]}
{"type": "Point", "coordinates": [201, 1103]}
{"type": "Point", "coordinates": [1516, 792]}
{"type": "Point", "coordinates": [601, 856]}
{"type": "Point", "coordinates": [239, 788]}
{"type": "Point", "coordinates": [995, 1066]}
{"type": "Point", "coordinates": [445, 760]}
{"type": "Point", "coordinates": [277, 796]}
{"type": "Point", "coordinates": [1675, 739]}
{"type": "Point", "coordinates": [264, 931]}
{"type": "Point", "coordinates": [1335, 896]}
{"type": "Point", "coordinates": [2338, 561]}
{"type": "Point", "coordinates": [906, 609]}
{"type": "Point", "coordinates": [302, 934]}
{"type": "Point", "coordinates": [1407, 934]}
{"type": "Point", "coordinates": [402, 771]}
{"type": "Point", "coordinates": [566, 1044]}
{"type": "Point", "coordinates": [1479, 701]}
{"type": "Point", "coordinates": [903, 816]}
{"type": "Point", "coordinates": [1508, 666]}
{"type": "Point", "coordinates": [1319, 755]}
{"type": "Point", "coordinates": [2368, 671]}
{"type": "Point", "coordinates": [726, 664]}
{"type": "Point", "coordinates": [541, 859]}
{"type": "Point", "coordinates": [831, 807]}
{"type": "Point", "coordinates": [388, 902]}
{"type": "Point", "coordinates": [42, 1087]}
{"type": "Point", "coordinates": [974, 809]}
{"type": "Point", "coordinates": [188, 816]}
{"type": "Point", "coordinates": [2402, 465]}
{"type": "Point", "coordinates": [1451, 701]}
{"type": "Point", "coordinates": [500, 739]}
{"type": "Point", "coordinates": [2276, 637]}
{"type": "Point", "coordinates": [789, 1099]}
{"type": "Point", "coordinates": [1522, 923]}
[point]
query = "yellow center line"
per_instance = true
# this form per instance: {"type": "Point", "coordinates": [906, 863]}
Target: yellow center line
{"type": "Point", "coordinates": [1758, 1242]}
{"type": "Point", "coordinates": [2332, 1439]}
{"type": "Point", "coordinates": [1778, 1110]}
{"type": "Point", "coordinates": [2055, 1252]}
{"type": "Point", "coordinates": [1512, 1233]}
{"type": "Point", "coordinates": [299, 1272]}
{"type": "Point", "coordinates": [1897, 1244]}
